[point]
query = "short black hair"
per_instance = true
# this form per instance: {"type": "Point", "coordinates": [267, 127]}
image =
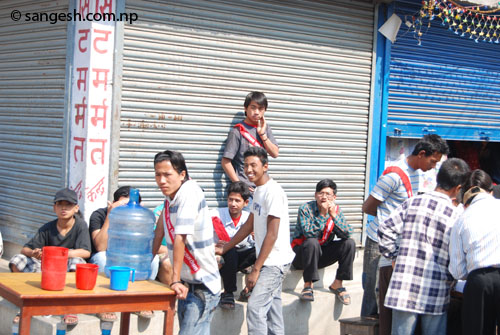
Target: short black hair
{"type": "Point", "coordinates": [453, 172]}
{"type": "Point", "coordinates": [477, 178]}
{"type": "Point", "coordinates": [326, 183]}
{"type": "Point", "coordinates": [175, 158]}
{"type": "Point", "coordinates": [239, 187]}
{"type": "Point", "coordinates": [496, 191]}
{"type": "Point", "coordinates": [123, 191]}
{"type": "Point", "coordinates": [258, 97]}
{"type": "Point", "coordinates": [430, 144]}
{"type": "Point", "coordinates": [257, 151]}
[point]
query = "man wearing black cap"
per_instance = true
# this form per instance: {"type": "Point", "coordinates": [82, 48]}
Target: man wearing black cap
{"type": "Point", "coordinates": [69, 230]}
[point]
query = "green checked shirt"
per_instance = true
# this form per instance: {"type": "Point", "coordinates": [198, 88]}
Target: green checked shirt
{"type": "Point", "coordinates": [311, 224]}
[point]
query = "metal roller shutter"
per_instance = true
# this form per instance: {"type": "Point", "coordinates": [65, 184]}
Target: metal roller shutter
{"type": "Point", "coordinates": [32, 98]}
{"type": "Point", "coordinates": [188, 65]}
{"type": "Point", "coordinates": [447, 85]}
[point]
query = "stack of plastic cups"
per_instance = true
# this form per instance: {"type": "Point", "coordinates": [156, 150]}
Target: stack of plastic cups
{"type": "Point", "coordinates": [61, 328]}
{"type": "Point", "coordinates": [106, 327]}
{"type": "Point", "coordinates": [15, 328]}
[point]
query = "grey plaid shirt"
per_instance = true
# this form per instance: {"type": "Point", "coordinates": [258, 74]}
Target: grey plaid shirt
{"type": "Point", "coordinates": [420, 281]}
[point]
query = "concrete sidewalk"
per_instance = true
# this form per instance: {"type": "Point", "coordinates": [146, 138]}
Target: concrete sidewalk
{"type": "Point", "coordinates": [301, 318]}
{"type": "Point", "coordinates": [4, 265]}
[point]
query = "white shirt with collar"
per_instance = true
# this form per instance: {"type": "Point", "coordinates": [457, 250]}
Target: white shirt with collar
{"type": "Point", "coordinates": [224, 215]}
{"type": "Point", "coordinates": [475, 238]}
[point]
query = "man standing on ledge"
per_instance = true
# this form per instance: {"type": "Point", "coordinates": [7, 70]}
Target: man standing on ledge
{"type": "Point", "coordinates": [253, 131]}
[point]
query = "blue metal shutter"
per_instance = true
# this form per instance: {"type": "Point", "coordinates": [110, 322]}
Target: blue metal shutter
{"type": "Point", "coordinates": [449, 85]}
{"type": "Point", "coordinates": [188, 65]}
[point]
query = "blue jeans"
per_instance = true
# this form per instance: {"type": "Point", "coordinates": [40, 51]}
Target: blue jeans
{"type": "Point", "coordinates": [371, 256]}
{"type": "Point", "coordinates": [403, 323]}
{"type": "Point", "coordinates": [195, 314]}
{"type": "Point", "coordinates": [264, 310]}
{"type": "Point", "coordinates": [99, 258]}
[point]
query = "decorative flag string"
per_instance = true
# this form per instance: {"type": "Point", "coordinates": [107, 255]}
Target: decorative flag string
{"type": "Point", "coordinates": [480, 23]}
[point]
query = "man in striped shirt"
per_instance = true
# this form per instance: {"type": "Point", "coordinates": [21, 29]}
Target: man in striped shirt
{"type": "Point", "coordinates": [186, 223]}
{"type": "Point", "coordinates": [389, 192]}
{"type": "Point", "coordinates": [474, 244]}
{"type": "Point", "coordinates": [415, 238]}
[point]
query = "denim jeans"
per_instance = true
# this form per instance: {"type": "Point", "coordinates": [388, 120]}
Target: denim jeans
{"type": "Point", "coordinates": [264, 310]}
{"type": "Point", "coordinates": [99, 258]}
{"type": "Point", "coordinates": [371, 256]}
{"type": "Point", "coordinates": [196, 311]}
{"type": "Point", "coordinates": [403, 323]}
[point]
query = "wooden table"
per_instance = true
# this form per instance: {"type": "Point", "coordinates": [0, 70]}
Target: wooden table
{"type": "Point", "coordinates": [24, 291]}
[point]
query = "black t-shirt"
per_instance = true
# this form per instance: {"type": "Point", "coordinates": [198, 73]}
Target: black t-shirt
{"type": "Point", "coordinates": [48, 235]}
{"type": "Point", "coordinates": [96, 222]}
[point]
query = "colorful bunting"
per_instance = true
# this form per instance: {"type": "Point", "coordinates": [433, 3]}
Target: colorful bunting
{"type": "Point", "coordinates": [475, 22]}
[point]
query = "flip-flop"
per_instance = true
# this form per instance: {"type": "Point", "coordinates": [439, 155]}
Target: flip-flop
{"type": "Point", "coordinates": [227, 301]}
{"type": "Point", "coordinates": [307, 294]}
{"type": "Point", "coordinates": [342, 298]}
{"type": "Point", "coordinates": [70, 319]}
{"type": "Point", "coordinates": [107, 316]}
{"type": "Point", "coordinates": [145, 314]}
{"type": "Point", "coordinates": [244, 295]}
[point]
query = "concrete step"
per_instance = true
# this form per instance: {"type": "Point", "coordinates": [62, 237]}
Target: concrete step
{"type": "Point", "coordinates": [318, 317]}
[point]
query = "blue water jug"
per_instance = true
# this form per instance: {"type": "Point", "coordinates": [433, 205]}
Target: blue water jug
{"type": "Point", "coordinates": [130, 237]}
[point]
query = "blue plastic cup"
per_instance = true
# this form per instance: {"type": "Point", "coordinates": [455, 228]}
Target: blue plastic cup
{"type": "Point", "coordinates": [120, 276]}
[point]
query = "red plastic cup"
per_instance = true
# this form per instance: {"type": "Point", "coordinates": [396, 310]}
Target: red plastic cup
{"type": "Point", "coordinates": [54, 268]}
{"type": "Point", "coordinates": [86, 276]}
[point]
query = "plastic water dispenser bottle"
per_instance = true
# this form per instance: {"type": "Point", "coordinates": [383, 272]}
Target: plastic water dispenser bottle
{"type": "Point", "coordinates": [130, 237]}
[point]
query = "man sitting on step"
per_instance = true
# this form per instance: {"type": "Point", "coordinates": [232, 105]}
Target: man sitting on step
{"type": "Point", "coordinates": [227, 221]}
{"type": "Point", "coordinates": [322, 238]}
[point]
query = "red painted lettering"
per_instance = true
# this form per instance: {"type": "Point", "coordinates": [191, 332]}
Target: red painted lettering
{"type": "Point", "coordinates": [80, 117]}
{"type": "Point", "coordinates": [84, 7]}
{"type": "Point", "coordinates": [84, 37]}
{"type": "Point", "coordinates": [107, 4]}
{"type": "Point", "coordinates": [98, 150]}
{"type": "Point", "coordinates": [78, 147]}
{"type": "Point", "coordinates": [82, 77]}
{"type": "Point", "coordinates": [103, 39]}
{"type": "Point", "coordinates": [97, 81]}
{"type": "Point", "coordinates": [96, 118]}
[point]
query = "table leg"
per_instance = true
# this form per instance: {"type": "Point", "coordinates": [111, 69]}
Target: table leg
{"type": "Point", "coordinates": [124, 323]}
{"type": "Point", "coordinates": [25, 323]}
{"type": "Point", "coordinates": [168, 322]}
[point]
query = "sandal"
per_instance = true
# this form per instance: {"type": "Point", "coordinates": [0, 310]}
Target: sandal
{"type": "Point", "coordinates": [107, 316]}
{"type": "Point", "coordinates": [307, 294]}
{"type": "Point", "coordinates": [247, 270]}
{"type": "Point", "coordinates": [70, 319]}
{"type": "Point", "coordinates": [227, 301]}
{"type": "Point", "coordinates": [145, 314]}
{"type": "Point", "coordinates": [342, 298]}
{"type": "Point", "coordinates": [244, 295]}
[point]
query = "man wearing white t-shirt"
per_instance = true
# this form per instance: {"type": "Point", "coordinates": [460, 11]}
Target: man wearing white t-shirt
{"type": "Point", "coordinates": [270, 223]}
